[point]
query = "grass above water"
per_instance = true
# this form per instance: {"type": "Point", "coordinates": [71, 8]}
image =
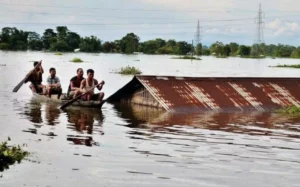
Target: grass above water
{"type": "Point", "coordinates": [128, 70]}
{"type": "Point", "coordinates": [290, 110]}
{"type": "Point", "coordinates": [76, 60]}
{"type": "Point", "coordinates": [287, 66]}
{"type": "Point", "coordinates": [187, 58]}
{"type": "Point", "coordinates": [9, 155]}
{"type": "Point", "coordinates": [58, 53]}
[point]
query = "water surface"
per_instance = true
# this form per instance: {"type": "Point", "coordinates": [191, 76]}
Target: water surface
{"type": "Point", "coordinates": [137, 146]}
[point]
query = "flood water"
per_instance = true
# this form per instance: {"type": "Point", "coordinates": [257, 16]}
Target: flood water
{"type": "Point", "coordinates": [137, 146]}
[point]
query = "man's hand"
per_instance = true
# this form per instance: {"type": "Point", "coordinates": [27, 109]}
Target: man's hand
{"type": "Point", "coordinates": [102, 82]}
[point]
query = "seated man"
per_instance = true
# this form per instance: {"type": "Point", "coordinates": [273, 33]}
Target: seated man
{"type": "Point", "coordinates": [36, 79]}
{"type": "Point", "coordinates": [74, 87]}
{"type": "Point", "coordinates": [53, 86]}
{"type": "Point", "coordinates": [88, 83]}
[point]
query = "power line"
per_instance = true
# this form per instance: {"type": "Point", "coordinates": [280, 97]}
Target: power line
{"type": "Point", "coordinates": [116, 9]}
{"type": "Point", "coordinates": [37, 23]}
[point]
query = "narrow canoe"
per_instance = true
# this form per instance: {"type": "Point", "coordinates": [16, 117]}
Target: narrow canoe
{"type": "Point", "coordinates": [63, 100]}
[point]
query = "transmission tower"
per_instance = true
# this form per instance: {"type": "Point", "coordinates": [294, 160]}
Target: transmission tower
{"type": "Point", "coordinates": [198, 34]}
{"type": "Point", "coordinates": [259, 31]}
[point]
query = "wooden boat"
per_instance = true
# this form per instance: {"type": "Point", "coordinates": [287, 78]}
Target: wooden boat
{"type": "Point", "coordinates": [64, 99]}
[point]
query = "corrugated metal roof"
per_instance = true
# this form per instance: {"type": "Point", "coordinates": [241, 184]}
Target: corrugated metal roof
{"type": "Point", "coordinates": [217, 94]}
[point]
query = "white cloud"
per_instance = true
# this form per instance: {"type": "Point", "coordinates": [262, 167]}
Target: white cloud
{"type": "Point", "coordinates": [283, 28]}
{"type": "Point", "coordinates": [274, 24]}
{"type": "Point", "coordinates": [226, 31]}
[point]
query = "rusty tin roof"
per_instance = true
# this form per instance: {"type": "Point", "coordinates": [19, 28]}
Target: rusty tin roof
{"type": "Point", "coordinates": [186, 94]}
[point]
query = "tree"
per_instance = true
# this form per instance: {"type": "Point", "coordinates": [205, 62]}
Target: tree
{"type": "Point", "coordinates": [48, 38]}
{"type": "Point", "coordinates": [109, 47]}
{"type": "Point", "coordinates": [233, 48]}
{"type": "Point", "coordinates": [165, 50]}
{"type": "Point", "coordinates": [284, 50]}
{"type": "Point", "coordinates": [90, 44]}
{"type": "Point", "coordinates": [13, 39]}
{"type": "Point", "coordinates": [296, 53]}
{"type": "Point", "coordinates": [34, 41]}
{"type": "Point", "coordinates": [244, 50]}
{"type": "Point", "coordinates": [129, 43]}
{"type": "Point", "coordinates": [150, 47]}
{"type": "Point", "coordinates": [62, 32]}
{"type": "Point", "coordinates": [217, 48]}
{"type": "Point", "coordinates": [183, 48]}
{"type": "Point", "coordinates": [227, 50]}
{"type": "Point", "coordinates": [199, 49]}
{"type": "Point", "coordinates": [60, 46]}
{"type": "Point", "coordinates": [72, 40]}
{"type": "Point", "coordinates": [33, 36]}
{"type": "Point", "coordinates": [160, 43]}
{"type": "Point", "coordinates": [171, 43]}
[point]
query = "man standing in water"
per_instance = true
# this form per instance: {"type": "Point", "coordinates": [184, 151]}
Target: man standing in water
{"type": "Point", "coordinates": [53, 86]}
{"type": "Point", "coordinates": [36, 79]}
{"type": "Point", "coordinates": [74, 87]}
{"type": "Point", "coordinates": [90, 82]}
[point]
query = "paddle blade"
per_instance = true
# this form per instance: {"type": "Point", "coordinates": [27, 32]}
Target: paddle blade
{"type": "Point", "coordinates": [16, 89]}
{"type": "Point", "coordinates": [67, 104]}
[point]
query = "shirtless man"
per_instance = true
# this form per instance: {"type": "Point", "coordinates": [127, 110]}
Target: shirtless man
{"type": "Point", "coordinates": [88, 83]}
{"type": "Point", "coordinates": [74, 87]}
{"type": "Point", "coordinates": [36, 79]}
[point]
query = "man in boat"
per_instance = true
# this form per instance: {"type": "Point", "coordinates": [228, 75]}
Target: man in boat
{"type": "Point", "coordinates": [36, 79]}
{"type": "Point", "coordinates": [53, 82]}
{"type": "Point", "coordinates": [74, 87]}
{"type": "Point", "coordinates": [88, 83]}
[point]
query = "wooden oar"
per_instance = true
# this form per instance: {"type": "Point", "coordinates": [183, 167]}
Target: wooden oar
{"type": "Point", "coordinates": [78, 97]}
{"type": "Point", "coordinates": [27, 76]}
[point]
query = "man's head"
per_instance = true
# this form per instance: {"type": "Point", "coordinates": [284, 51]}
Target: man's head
{"type": "Point", "coordinates": [52, 72]}
{"type": "Point", "coordinates": [36, 63]}
{"type": "Point", "coordinates": [80, 72]}
{"type": "Point", "coordinates": [90, 73]}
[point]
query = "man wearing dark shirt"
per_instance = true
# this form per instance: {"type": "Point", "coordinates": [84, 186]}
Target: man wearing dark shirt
{"type": "Point", "coordinates": [74, 87]}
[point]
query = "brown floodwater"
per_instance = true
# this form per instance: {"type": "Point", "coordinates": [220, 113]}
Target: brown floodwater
{"type": "Point", "coordinates": [128, 145]}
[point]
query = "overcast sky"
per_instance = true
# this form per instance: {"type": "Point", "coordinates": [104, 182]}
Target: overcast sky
{"type": "Point", "coordinates": [221, 20]}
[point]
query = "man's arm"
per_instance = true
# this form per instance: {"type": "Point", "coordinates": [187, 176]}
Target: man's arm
{"type": "Point", "coordinates": [100, 85]}
{"type": "Point", "coordinates": [72, 85]}
{"type": "Point", "coordinates": [82, 85]}
{"type": "Point", "coordinates": [41, 69]}
{"type": "Point", "coordinates": [49, 83]}
{"type": "Point", "coordinates": [73, 88]}
{"type": "Point", "coordinates": [57, 82]}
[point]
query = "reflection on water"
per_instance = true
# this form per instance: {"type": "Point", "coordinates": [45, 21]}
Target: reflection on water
{"type": "Point", "coordinates": [84, 122]}
{"type": "Point", "coordinates": [34, 112]}
{"type": "Point", "coordinates": [52, 114]}
{"type": "Point", "coordinates": [254, 123]}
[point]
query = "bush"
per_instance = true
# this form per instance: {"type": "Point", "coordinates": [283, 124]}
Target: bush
{"type": "Point", "coordinates": [287, 66]}
{"type": "Point", "coordinates": [290, 110]}
{"type": "Point", "coordinates": [4, 46]}
{"type": "Point", "coordinates": [187, 58]}
{"type": "Point", "coordinates": [77, 60]}
{"type": "Point", "coordinates": [10, 155]}
{"type": "Point", "coordinates": [129, 71]}
{"type": "Point", "coordinates": [59, 54]}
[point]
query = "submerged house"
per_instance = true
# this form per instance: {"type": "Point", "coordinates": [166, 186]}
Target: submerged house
{"type": "Point", "coordinates": [193, 94]}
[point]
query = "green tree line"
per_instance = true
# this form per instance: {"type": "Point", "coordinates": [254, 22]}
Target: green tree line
{"type": "Point", "coordinates": [64, 40]}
